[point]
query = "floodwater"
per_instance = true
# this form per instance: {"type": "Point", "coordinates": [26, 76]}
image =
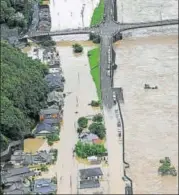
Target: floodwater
{"type": "Point", "coordinates": [67, 14]}
{"type": "Point", "coordinates": [130, 11]}
{"type": "Point", "coordinates": [80, 90]}
{"type": "Point", "coordinates": [150, 116]}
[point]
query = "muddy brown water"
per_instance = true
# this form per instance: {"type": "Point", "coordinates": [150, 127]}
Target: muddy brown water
{"type": "Point", "coordinates": [150, 117]}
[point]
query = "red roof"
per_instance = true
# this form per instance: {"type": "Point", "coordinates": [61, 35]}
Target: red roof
{"type": "Point", "coordinates": [97, 141]}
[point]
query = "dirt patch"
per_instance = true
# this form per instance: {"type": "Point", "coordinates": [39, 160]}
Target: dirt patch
{"type": "Point", "coordinates": [33, 145]}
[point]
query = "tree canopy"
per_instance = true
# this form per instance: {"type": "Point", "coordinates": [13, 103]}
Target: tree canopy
{"type": "Point", "coordinates": [16, 12]}
{"type": "Point", "coordinates": [98, 118]}
{"type": "Point", "coordinates": [98, 129]}
{"type": "Point", "coordinates": [166, 168]}
{"type": "Point", "coordinates": [83, 150]}
{"type": "Point", "coordinates": [23, 91]}
{"type": "Point", "coordinates": [77, 48]}
{"type": "Point", "coordinates": [83, 122]}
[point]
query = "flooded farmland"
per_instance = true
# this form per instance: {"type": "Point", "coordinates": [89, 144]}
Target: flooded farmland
{"type": "Point", "coordinates": [150, 116]}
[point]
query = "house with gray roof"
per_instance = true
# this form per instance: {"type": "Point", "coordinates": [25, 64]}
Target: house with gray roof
{"type": "Point", "coordinates": [43, 128]}
{"type": "Point", "coordinates": [17, 188]}
{"type": "Point", "coordinates": [44, 186]}
{"type": "Point", "coordinates": [90, 173]}
{"type": "Point", "coordinates": [53, 122]}
{"type": "Point", "coordinates": [88, 137]}
{"type": "Point", "coordinates": [55, 81]}
{"type": "Point", "coordinates": [56, 98]}
{"type": "Point", "coordinates": [16, 175]}
{"type": "Point", "coordinates": [89, 184]}
{"type": "Point", "coordinates": [41, 157]}
{"type": "Point", "coordinates": [49, 113]}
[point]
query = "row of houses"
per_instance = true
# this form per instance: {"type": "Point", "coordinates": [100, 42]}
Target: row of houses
{"type": "Point", "coordinates": [21, 181]}
{"type": "Point", "coordinates": [50, 117]}
{"type": "Point", "coordinates": [16, 175]}
{"type": "Point", "coordinates": [20, 158]}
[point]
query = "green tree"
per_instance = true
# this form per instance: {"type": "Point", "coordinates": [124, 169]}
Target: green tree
{"type": "Point", "coordinates": [98, 129]}
{"type": "Point", "coordinates": [98, 118]}
{"type": "Point", "coordinates": [95, 103]}
{"type": "Point", "coordinates": [79, 130]}
{"type": "Point", "coordinates": [166, 168]}
{"type": "Point", "coordinates": [77, 48]}
{"type": "Point", "coordinates": [43, 168]}
{"type": "Point", "coordinates": [83, 122]}
{"type": "Point", "coordinates": [48, 43]}
{"type": "Point", "coordinates": [84, 150]}
{"type": "Point", "coordinates": [53, 137]}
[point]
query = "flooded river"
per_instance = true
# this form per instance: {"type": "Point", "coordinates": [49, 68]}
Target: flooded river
{"type": "Point", "coordinates": [150, 117]}
{"type": "Point", "coordinates": [67, 14]}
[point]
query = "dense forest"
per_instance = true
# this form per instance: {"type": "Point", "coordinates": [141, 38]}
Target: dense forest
{"type": "Point", "coordinates": [16, 13]}
{"type": "Point", "coordinates": [23, 92]}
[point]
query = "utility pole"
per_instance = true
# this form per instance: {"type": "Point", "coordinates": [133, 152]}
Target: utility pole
{"type": "Point", "coordinates": [82, 14]}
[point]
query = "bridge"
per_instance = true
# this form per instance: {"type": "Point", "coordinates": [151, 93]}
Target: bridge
{"type": "Point", "coordinates": [57, 33]}
{"type": "Point", "coordinates": [111, 27]}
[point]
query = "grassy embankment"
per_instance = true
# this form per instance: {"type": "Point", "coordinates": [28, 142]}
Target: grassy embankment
{"type": "Point", "coordinates": [94, 55]}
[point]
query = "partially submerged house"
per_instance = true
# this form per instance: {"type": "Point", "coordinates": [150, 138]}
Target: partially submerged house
{"type": "Point", "coordinates": [89, 184]}
{"type": "Point", "coordinates": [49, 113]}
{"type": "Point", "coordinates": [17, 188]}
{"type": "Point", "coordinates": [88, 137]}
{"type": "Point", "coordinates": [55, 81]}
{"type": "Point", "coordinates": [41, 157]}
{"type": "Point", "coordinates": [53, 122]}
{"type": "Point", "coordinates": [15, 175]}
{"type": "Point", "coordinates": [55, 98]}
{"type": "Point", "coordinates": [89, 178]}
{"type": "Point", "coordinates": [44, 186]}
{"type": "Point", "coordinates": [43, 129]}
{"type": "Point", "coordinates": [91, 173]}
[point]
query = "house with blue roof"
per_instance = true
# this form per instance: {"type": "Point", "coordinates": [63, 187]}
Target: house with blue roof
{"type": "Point", "coordinates": [44, 186]}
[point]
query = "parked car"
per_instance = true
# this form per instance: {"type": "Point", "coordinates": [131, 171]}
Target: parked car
{"type": "Point", "coordinates": [108, 73]}
{"type": "Point", "coordinates": [118, 124]}
{"type": "Point", "coordinates": [114, 97]}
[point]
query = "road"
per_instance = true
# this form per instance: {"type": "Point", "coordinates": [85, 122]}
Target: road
{"type": "Point", "coordinates": [66, 163]}
{"type": "Point", "coordinates": [115, 149]}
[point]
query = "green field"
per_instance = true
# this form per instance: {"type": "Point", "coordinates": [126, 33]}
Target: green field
{"type": "Point", "coordinates": [98, 13]}
{"type": "Point", "coordinates": [94, 57]}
